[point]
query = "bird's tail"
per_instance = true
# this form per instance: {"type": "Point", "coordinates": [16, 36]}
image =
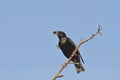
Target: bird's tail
{"type": "Point", "coordinates": [79, 68]}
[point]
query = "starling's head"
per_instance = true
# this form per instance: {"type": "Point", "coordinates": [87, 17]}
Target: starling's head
{"type": "Point", "coordinates": [60, 34]}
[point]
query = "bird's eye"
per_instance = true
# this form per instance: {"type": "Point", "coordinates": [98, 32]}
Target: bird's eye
{"type": "Point", "coordinates": [60, 34]}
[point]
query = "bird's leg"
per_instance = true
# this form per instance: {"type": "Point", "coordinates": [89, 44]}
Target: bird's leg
{"type": "Point", "coordinates": [57, 46]}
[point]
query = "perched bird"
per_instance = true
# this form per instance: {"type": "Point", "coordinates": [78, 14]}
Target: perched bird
{"type": "Point", "coordinates": [67, 46]}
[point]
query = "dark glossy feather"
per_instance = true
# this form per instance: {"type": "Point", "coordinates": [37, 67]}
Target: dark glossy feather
{"type": "Point", "coordinates": [67, 46]}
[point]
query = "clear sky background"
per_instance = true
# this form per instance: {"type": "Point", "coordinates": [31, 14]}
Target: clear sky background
{"type": "Point", "coordinates": [28, 46]}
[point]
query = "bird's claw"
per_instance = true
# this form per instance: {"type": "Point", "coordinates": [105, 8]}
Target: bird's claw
{"type": "Point", "coordinates": [57, 46]}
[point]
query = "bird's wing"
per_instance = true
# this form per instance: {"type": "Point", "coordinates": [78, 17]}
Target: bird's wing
{"type": "Point", "coordinates": [75, 47]}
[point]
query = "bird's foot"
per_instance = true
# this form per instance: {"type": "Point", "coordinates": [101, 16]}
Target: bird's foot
{"type": "Point", "coordinates": [57, 46]}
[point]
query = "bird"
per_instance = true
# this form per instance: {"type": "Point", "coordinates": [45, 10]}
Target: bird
{"type": "Point", "coordinates": [67, 46]}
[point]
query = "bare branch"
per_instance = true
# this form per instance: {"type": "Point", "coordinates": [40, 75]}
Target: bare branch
{"type": "Point", "coordinates": [74, 52]}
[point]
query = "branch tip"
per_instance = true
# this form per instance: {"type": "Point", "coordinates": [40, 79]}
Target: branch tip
{"type": "Point", "coordinates": [99, 29]}
{"type": "Point", "coordinates": [81, 40]}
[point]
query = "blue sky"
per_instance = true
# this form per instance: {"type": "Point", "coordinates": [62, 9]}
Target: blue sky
{"type": "Point", "coordinates": [28, 47]}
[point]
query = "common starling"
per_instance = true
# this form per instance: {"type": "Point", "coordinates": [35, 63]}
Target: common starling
{"type": "Point", "coordinates": [67, 46]}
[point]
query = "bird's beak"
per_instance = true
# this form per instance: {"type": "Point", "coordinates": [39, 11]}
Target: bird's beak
{"type": "Point", "coordinates": [55, 32]}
